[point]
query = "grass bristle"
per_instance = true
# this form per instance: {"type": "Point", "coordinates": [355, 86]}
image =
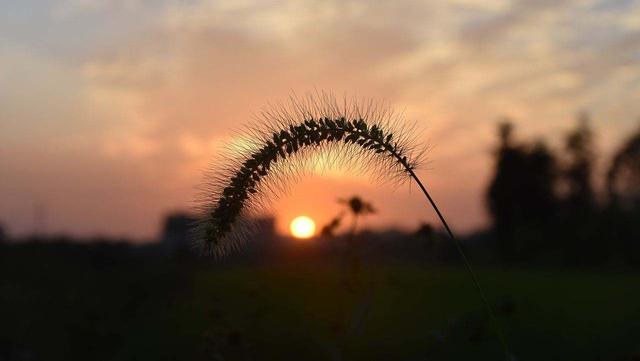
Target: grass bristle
{"type": "Point", "coordinates": [284, 142]}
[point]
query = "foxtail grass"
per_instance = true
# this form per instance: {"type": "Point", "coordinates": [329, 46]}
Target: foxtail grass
{"type": "Point", "coordinates": [286, 140]}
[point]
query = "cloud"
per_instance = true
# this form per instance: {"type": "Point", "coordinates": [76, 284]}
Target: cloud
{"type": "Point", "coordinates": [69, 9]}
{"type": "Point", "coordinates": [156, 98]}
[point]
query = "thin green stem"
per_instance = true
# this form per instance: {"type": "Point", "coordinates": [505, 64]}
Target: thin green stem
{"type": "Point", "coordinates": [466, 261]}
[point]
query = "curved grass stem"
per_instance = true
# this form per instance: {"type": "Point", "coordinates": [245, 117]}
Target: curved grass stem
{"type": "Point", "coordinates": [466, 262]}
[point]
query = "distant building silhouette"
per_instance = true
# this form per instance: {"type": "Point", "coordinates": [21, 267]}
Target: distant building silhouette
{"type": "Point", "coordinates": [177, 231]}
{"type": "Point", "coordinates": [266, 227]}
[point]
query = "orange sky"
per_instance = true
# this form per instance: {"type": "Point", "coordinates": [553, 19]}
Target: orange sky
{"type": "Point", "coordinates": [109, 110]}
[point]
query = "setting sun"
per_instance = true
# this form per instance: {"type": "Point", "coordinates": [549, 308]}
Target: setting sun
{"type": "Point", "coordinates": [302, 227]}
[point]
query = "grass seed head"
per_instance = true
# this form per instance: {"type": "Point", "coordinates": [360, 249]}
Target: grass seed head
{"type": "Point", "coordinates": [284, 142]}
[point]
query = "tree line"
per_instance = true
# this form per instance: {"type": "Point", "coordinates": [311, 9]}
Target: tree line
{"type": "Point", "coordinates": [545, 205]}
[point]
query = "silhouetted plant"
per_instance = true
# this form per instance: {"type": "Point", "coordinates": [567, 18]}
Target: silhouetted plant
{"type": "Point", "coordinates": [431, 242]}
{"type": "Point", "coordinates": [283, 143]}
{"type": "Point", "coordinates": [329, 229]}
{"type": "Point", "coordinates": [357, 207]}
{"type": "Point", "coordinates": [354, 280]}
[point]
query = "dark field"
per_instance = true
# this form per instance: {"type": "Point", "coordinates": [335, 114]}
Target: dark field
{"type": "Point", "coordinates": [69, 302]}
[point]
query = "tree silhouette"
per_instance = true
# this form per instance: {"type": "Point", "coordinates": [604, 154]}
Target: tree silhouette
{"type": "Point", "coordinates": [578, 175]}
{"type": "Point", "coordinates": [522, 191]}
{"type": "Point", "coordinates": [501, 196]}
{"type": "Point", "coordinates": [623, 177]}
{"type": "Point", "coordinates": [622, 219]}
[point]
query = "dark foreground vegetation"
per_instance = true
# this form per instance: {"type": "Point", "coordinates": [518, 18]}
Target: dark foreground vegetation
{"type": "Point", "coordinates": [115, 302]}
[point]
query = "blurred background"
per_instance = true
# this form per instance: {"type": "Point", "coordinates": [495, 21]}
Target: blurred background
{"type": "Point", "coordinates": [110, 111]}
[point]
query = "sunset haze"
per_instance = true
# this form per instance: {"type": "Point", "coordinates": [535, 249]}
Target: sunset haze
{"type": "Point", "coordinates": [110, 111]}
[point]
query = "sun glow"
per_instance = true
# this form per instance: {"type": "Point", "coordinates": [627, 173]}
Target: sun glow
{"type": "Point", "coordinates": [302, 227]}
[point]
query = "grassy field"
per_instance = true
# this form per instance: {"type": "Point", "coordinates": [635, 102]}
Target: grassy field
{"type": "Point", "coordinates": [73, 307]}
